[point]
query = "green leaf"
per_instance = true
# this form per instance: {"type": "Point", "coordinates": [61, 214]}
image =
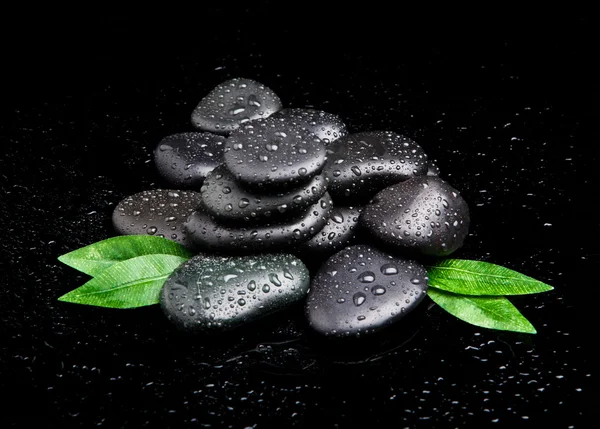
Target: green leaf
{"type": "Point", "coordinates": [97, 257]}
{"type": "Point", "coordinates": [481, 278]}
{"type": "Point", "coordinates": [488, 312]}
{"type": "Point", "coordinates": [135, 282]}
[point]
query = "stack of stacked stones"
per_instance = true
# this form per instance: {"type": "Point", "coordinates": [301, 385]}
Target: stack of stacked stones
{"type": "Point", "coordinates": [263, 191]}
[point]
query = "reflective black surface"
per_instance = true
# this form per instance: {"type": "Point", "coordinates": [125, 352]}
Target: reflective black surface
{"type": "Point", "coordinates": [502, 104]}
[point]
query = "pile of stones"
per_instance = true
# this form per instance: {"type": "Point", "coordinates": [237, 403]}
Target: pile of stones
{"type": "Point", "coordinates": [261, 192]}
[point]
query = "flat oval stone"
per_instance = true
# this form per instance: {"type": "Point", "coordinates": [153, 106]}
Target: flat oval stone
{"type": "Point", "coordinates": [266, 155]}
{"type": "Point", "coordinates": [232, 103]}
{"type": "Point", "coordinates": [206, 233]}
{"type": "Point", "coordinates": [423, 215]}
{"type": "Point", "coordinates": [210, 293]}
{"type": "Point", "coordinates": [359, 165]}
{"type": "Point", "coordinates": [337, 233]}
{"type": "Point", "coordinates": [360, 290]}
{"type": "Point", "coordinates": [159, 212]}
{"type": "Point", "coordinates": [185, 159]}
{"type": "Point", "coordinates": [225, 199]}
{"type": "Point", "coordinates": [327, 126]}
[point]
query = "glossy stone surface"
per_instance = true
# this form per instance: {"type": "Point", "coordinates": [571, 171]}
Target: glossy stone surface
{"type": "Point", "coordinates": [226, 199]}
{"type": "Point", "coordinates": [232, 103]}
{"type": "Point", "coordinates": [424, 215]}
{"type": "Point", "coordinates": [361, 164]}
{"type": "Point", "coordinates": [327, 126]}
{"type": "Point", "coordinates": [206, 233]}
{"type": "Point", "coordinates": [336, 234]}
{"type": "Point", "coordinates": [266, 154]}
{"type": "Point", "coordinates": [361, 290]}
{"type": "Point", "coordinates": [159, 212]}
{"type": "Point", "coordinates": [211, 293]}
{"type": "Point", "coordinates": [185, 159]}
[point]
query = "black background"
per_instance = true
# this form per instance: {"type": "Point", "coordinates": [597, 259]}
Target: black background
{"type": "Point", "coordinates": [504, 101]}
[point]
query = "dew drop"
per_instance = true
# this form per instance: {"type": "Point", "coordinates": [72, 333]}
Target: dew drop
{"type": "Point", "coordinates": [359, 299]}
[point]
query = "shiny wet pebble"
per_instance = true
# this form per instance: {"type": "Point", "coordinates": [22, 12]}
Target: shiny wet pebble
{"type": "Point", "coordinates": [266, 155]}
{"type": "Point", "coordinates": [232, 103]}
{"type": "Point", "coordinates": [327, 126]}
{"type": "Point", "coordinates": [159, 212]}
{"type": "Point", "coordinates": [185, 159]}
{"type": "Point", "coordinates": [361, 290]}
{"type": "Point", "coordinates": [211, 293]}
{"type": "Point", "coordinates": [424, 215]}
{"type": "Point", "coordinates": [359, 165]}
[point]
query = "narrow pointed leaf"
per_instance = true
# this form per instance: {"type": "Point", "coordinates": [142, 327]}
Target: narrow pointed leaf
{"type": "Point", "coordinates": [468, 277]}
{"type": "Point", "coordinates": [488, 312]}
{"type": "Point", "coordinates": [97, 257]}
{"type": "Point", "coordinates": [135, 282]}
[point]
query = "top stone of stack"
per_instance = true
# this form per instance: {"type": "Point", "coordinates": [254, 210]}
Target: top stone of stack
{"type": "Point", "coordinates": [233, 103]}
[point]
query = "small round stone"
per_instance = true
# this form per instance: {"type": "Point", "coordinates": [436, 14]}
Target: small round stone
{"type": "Point", "coordinates": [206, 233]}
{"type": "Point", "coordinates": [264, 155]}
{"type": "Point", "coordinates": [215, 294]}
{"type": "Point", "coordinates": [185, 159]}
{"type": "Point", "coordinates": [424, 215]}
{"type": "Point", "coordinates": [359, 165]}
{"type": "Point", "coordinates": [361, 290]}
{"type": "Point", "coordinates": [227, 200]}
{"type": "Point", "coordinates": [232, 103]}
{"type": "Point", "coordinates": [159, 212]}
{"type": "Point", "coordinates": [327, 126]}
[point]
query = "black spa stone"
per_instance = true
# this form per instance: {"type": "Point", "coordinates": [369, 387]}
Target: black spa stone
{"type": "Point", "coordinates": [361, 290]}
{"type": "Point", "coordinates": [215, 294]}
{"type": "Point", "coordinates": [335, 235]}
{"type": "Point", "coordinates": [185, 159]}
{"type": "Point", "coordinates": [423, 215]}
{"type": "Point", "coordinates": [266, 155]}
{"type": "Point", "coordinates": [206, 233]}
{"type": "Point", "coordinates": [159, 212]}
{"type": "Point", "coordinates": [327, 126]}
{"type": "Point", "coordinates": [232, 103]}
{"type": "Point", "coordinates": [359, 165]}
{"type": "Point", "coordinates": [226, 199]}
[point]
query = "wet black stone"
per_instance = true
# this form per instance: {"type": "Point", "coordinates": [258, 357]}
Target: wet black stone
{"type": "Point", "coordinates": [361, 290]}
{"type": "Point", "coordinates": [335, 235]}
{"type": "Point", "coordinates": [266, 154]}
{"type": "Point", "coordinates": [232, 103]}
{"type": "Point", "coordinates": [159, 212]}
{"type": "Point", "coordinates": [359, 165]}
{"type": "Point", "coordinates": [185, 159]}
{"type": "Point", "coordinates": [206, 233]}
{"type": "Point", "coordinates": [327, 126]}
{"type": "Point", "coordinates": [211, 293]}
{"type": "Point", "coordinates": [226, 199]}
{"type": "Point", "coordinates": [423, 215]}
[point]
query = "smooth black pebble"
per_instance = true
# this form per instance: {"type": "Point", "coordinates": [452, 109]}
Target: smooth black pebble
{"type": "Point", "coordinates": [337, 233]}
{"type": "Point", "coordinates": [359, 165]}
{"type": "Point", "coordinates": [226, 199]}
{"type": "Point", "coordinates": [159, 212]}
{"type": "Point", "coordinates": [423, 215]}
{"type": "Point", "coordinates": [210, 293]}
{"type": "Point", "coordinates": [361, 290]}
{"type": "Point", "coordinates": [185, 159]}
{"type": "Point", "coordinates": [232, 103]}
{"type": "Point", "coordinates": [327, 126]}
{"type": "Point", "coordinates": [265, 154]}
{"type": "Point", "coordinates": [206, 233]}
